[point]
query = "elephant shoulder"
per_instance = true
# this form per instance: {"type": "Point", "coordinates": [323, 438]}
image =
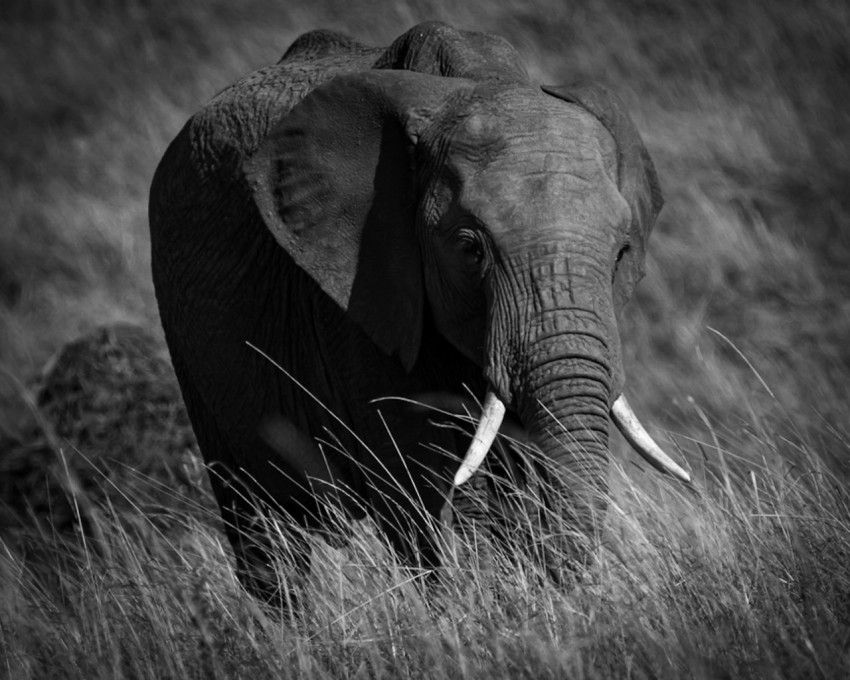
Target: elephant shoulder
{"type": "Point", "coordinates": [231, 126]}
{"type": "Point", "coordinates": [207, 155]}
{"type": "Point", "coordinates": [438, 49]}
{"type": "Point", "coordinates": [203, 161]}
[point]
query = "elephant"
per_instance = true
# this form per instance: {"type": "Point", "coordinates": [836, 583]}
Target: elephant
{"type": "Point", "coordinates": [356, 223]}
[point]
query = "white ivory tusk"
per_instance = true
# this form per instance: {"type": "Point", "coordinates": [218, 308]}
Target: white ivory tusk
{"type": "Point", "coordinates": [492, 414]}
{"type": "Point", "coordinates": [638, 437]}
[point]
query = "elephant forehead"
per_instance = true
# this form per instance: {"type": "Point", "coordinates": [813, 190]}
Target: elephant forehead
{"type": "Point", "coordinates": [557, 197]}
{"type": "Point", "coordinates": [560, 170]}
{"type": "Point", "coordinates": [515, 120]}
{"type": "Point", "coordinates": [525, 163]}
{"type": "Point", "coordinates": [518, 134]}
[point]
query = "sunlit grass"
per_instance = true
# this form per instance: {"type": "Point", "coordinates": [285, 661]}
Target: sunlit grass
{"type": "Point", "coordinates": [748, 577]}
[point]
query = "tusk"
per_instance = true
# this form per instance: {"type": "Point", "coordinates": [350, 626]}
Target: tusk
{"type": "Point", "coordinates": [638, 437]}
{"type": "Point", "coordinates": [492, 414]}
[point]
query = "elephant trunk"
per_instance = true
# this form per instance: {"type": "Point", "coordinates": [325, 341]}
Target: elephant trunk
{"type": "Point", "coordinates": [564, 405]}
{"type": "Point", "coordinates": [554, 356]}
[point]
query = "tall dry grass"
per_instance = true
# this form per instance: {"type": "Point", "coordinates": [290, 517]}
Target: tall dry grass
{"type": "Point", "coordinates": [736, 347]}
{"type": "Point", "coordinates": [748, 580]}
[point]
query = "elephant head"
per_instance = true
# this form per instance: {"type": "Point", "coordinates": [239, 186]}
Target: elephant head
{"type": "Point", "coordinates": [513, 218]}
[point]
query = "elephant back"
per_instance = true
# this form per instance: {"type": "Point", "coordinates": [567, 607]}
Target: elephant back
{"type": "Point", "coordinates": [312, 46]}
{"type": "Point", "coordinates": [232, 124]}
{"type": "Point", "coordinates": [440, 50]}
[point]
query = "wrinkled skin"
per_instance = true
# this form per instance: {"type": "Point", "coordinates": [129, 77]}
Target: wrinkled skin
{"type": "Point", "coordinates": [420, 219]}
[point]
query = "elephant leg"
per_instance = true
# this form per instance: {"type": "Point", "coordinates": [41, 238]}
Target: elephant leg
{"type": "Point", "coordinates": [408, 492]}
{"type": "Point", "coordinates": [524, 520]}
{"type": "Point", "coordinates": [509, 505]}
{"type": "Point", "coordinates": [482, 514]}
{"type": "Point", "coordinates": [411, 527]}
{"type": "Point", "coordinates": [271, 550]}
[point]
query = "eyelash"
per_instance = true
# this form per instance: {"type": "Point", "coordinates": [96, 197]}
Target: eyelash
{"type": "Point", "coordinates": [473, 247]}
{"type": "Point", "coordinates": [620, 255]}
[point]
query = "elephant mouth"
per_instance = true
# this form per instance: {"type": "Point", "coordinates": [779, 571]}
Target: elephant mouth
{"type": "Point", "coordinates": [493, 412]}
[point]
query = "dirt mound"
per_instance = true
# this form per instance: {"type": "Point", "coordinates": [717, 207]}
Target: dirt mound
{"type": "Point", "coordinates": [108, 429]}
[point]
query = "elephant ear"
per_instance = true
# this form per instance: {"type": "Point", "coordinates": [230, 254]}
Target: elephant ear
{"type": "Point", "coordinates": [334, 183]}
{"type": "Point", "coordinates": [636, 177]}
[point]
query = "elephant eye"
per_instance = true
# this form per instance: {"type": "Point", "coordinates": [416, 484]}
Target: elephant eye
{"type": "Point", "coordinates": [620, 254]}
{"type": "Point", "coordinates": [471, 247]}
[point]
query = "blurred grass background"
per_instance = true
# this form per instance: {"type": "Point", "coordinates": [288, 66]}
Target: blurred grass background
{"type": "Point", "coordinates": [736, 344]}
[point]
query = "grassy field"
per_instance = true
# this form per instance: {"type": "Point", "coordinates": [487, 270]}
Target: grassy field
{"type": "Point", "coordinates": [736, 348]}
